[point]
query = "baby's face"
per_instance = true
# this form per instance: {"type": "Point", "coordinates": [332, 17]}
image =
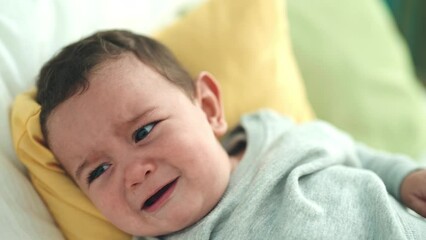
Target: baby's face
{"type": "Point", "coordinates": [140, 149]}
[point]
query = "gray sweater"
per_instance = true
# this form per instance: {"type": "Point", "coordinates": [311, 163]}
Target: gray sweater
{"type": "Point", "coordinates": [308, 181]}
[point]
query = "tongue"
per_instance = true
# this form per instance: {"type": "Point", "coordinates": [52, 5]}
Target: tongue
{"type": "Point", "coordinates": [157, 195]}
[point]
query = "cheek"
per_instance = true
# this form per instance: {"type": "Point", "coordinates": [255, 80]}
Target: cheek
{"type": "Point", "coordinates": [186, 148]}
{"type": "Point", "coordinates": [108, 202]}
{"type": "Point", "coordinates": [201, 159]}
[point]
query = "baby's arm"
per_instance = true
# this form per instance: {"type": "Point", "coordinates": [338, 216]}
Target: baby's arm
{"type": "Point", "coordinates": [404, 179]}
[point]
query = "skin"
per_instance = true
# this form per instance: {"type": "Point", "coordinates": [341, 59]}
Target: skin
{"type": "Point", "coordinates": [95, 132]}
{"type": "Point", "coordinates": [413, 192]}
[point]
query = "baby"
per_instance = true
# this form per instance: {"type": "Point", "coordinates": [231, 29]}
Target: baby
{"type": "Point", "coordinates": [140, 138]}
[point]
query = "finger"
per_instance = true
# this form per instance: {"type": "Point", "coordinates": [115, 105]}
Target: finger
{"type": "Point", "coordinates": [419, 206]}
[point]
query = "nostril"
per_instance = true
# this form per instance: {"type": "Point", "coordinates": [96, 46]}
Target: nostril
{"type": "Point", "coordinates": [148, 173]}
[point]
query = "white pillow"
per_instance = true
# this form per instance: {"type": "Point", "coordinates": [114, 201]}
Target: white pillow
{"type": "Point", "coordinates": [23, 214]}
{"type": "Point", "coordinates": [23, 49]}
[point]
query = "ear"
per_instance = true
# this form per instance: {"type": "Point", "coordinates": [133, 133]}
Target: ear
{"type": "Point", "coordinates": [209, 99]}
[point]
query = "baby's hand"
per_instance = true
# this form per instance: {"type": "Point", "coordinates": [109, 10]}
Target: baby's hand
{"type": "Point", "coordinates": [413, 191]}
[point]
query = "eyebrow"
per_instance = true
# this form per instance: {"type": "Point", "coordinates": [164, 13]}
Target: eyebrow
{"type": "Point", "coordinates": [139, 116]}
{"type": "Point", "coordinates": [127, 122]}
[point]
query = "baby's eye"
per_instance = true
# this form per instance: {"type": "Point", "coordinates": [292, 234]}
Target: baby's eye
{"type": "Point", "coordinates": [97, 172]}
{"type": "Point", "coordinates": [142, 132]}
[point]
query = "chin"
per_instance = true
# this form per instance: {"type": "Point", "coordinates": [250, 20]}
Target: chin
{"type": "Point", "coordinates": [182, 222]}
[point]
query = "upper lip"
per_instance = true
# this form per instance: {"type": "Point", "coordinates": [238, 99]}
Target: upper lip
{"type": "Point", "coordinates": [153, 192]}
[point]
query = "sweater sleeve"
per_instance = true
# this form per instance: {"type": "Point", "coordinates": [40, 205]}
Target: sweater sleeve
{"type": "Point", "coordinates": [391, 168]}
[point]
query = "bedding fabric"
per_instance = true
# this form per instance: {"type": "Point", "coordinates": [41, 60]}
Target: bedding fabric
{"type": "Point", "coordinates": [23, 48]}
{"type": "Point", "coordinates": [358, 73]}
{"type": "Point", "coordinates": [23, 214]}
{"type": "Point", "coordinates": [309, 181]}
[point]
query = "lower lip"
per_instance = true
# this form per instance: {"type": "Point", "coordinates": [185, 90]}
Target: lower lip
{"type": "Point", "coordinates": [162, 200]}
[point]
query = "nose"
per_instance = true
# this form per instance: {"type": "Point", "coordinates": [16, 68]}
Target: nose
{"type": "Point", "coordinates": [137, 173]}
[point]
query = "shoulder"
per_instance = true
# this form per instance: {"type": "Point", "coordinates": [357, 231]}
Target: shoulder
{"type": "Point", "coordinates": [272, 119]}
{"type": "Point", "coordinates": [267, 128]}
{"type": "Point", "coordinates": [266, 117]}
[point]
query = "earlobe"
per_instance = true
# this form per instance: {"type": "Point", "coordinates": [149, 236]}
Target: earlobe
{"type": "Point", "coordinates": [209, 99]}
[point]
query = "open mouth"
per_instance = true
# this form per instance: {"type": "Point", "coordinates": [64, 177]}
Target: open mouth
{"type": "Point", "coordinates": [154, 202]}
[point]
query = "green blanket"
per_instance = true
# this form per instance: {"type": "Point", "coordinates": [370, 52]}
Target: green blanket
{"type": "Point", "coordinates": [358, 72]}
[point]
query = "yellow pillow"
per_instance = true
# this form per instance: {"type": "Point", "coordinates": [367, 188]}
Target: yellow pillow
{"type": "Point", "coordinates": [244, 43]}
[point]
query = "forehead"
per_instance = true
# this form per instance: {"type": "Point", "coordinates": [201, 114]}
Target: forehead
{"type": "Point", "coordinates": [120, 74]}
{"type": "Point", "coordinates": [111, 82]}
{"type": "Point", "coordinates": [119, 90]}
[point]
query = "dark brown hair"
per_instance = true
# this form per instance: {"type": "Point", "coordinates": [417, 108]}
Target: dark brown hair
{"type": "Point", "coordinates": [66, 73]}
